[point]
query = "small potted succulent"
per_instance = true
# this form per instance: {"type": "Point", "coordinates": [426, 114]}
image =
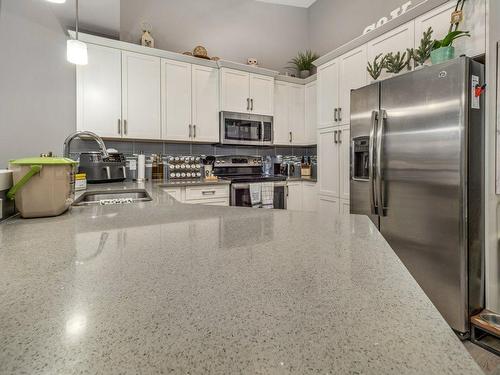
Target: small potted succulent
{"type": "Point", "coordinates": [443, 50]}
{"type": "Point", "coordinates": [303, 63]}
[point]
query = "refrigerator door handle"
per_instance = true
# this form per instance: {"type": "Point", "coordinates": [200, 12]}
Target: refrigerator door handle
{"type": "Point", "coordinates": [382, 116]}
{"type": "Point", "coordinates": [371, 159]}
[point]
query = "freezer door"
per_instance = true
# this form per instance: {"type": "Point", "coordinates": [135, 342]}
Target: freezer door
{"type": "Point", "coordinates": [423, 176]}
{"type": "Point", "coordinates": [364, 107]}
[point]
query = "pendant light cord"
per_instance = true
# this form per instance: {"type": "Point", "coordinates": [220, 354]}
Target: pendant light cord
{"type": "Point", "coordinates": [76, 28]}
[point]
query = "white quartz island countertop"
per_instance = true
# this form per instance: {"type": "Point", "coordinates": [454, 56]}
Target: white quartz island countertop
{"type": "Point", "coordinates": [164, 287]}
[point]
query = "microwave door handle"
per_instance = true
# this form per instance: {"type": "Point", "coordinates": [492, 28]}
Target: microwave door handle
{"type": "Point", "coordinates": [380, 182]}
{"type": "Point", "coordinates": [261, 131]}
{"type": "Point", "coordinates": [371, 159]}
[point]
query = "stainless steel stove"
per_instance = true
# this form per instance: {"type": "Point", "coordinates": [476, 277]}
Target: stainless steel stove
{"type": "Point", "coordinates": [243, 171]}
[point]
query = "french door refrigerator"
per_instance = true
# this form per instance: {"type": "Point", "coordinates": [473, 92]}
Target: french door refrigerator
{"type": "Point", "coordinates": [417, 170]}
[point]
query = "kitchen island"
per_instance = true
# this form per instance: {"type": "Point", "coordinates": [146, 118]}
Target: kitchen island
{"type": "Point", "coordinates": [165, 287]}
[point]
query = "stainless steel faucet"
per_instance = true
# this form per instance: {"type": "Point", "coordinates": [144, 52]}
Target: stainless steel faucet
{"type": "Point", "coordinates": [84, 134]}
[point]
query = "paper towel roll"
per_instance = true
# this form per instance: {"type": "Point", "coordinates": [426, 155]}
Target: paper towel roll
{"type": "Point", "coordinates": [141, 167]}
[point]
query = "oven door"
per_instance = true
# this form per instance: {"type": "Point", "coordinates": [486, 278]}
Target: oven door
{"type": "Point", "coordinates": [240, 195]}
{"type": "Point", "coordinates": [244, 129]}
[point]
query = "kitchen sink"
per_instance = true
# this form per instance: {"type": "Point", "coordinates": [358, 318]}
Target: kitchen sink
{"type": "Point", "coordinates": [112, 197]}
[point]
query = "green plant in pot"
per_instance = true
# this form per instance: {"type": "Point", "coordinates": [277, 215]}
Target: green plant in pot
{"type": "Point", "coordinates": [443, 50]}
{"type": "Point", "coordinates": [375, 68]}
{"type": "Point", "coordinates": [423, 52]}
{"type": "Point", "coordinates": [396, 62]}
{"type": "Point", "coordinates": [303, 63]}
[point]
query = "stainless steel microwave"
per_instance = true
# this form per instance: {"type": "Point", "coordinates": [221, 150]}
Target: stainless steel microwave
{"type": "Point", "coordinates": [246, 129]}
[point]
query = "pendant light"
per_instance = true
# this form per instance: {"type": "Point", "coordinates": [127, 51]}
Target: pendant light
{"type": "Point", "coordinates": [76, 51]}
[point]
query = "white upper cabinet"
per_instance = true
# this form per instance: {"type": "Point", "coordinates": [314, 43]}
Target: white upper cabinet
{"type": "Point", "coordinates": [190, 102]}
{"type": "Point", "coordinates": [289, 114]}
{"type": "Point", "coordinates": [328, 94]}
{"type": "Point", "coordinates": [261, 94]}
{"type": "Point", "coordinates": [439, 20]}
{"type": "Point", "coordinates": [141, 76]}
{"type": "Point", "coordinates": [235, 95]}
{"type": "Point", "coordinates": [352, 75]}
{"type": "Point", "coordinates": [297, 114]}
{"type": "Point", "coordinates": [99, 87]}
{"type": "Point", "coordinates": [396, 40]}
{"type": "Point", "coordinates": [246, 92]}
{"type": "Point", "coordinates": [205, 104]}
{"type": "Point", "coordinates": [281, 114]}
{"type": "Point", "coordinates": [176, 100]}
{"type": "Point", "coordinates": [311, 113]}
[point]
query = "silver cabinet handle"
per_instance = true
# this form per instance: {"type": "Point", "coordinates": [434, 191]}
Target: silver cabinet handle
{"type": "Point", "coordinates": [340, 136]}
{"type": "Point", "coordinates": [335, 112]}
{"type": "Point", "coordinates": [371, 159]}
{"type": "Point", "coordinates": [340, 114]}
{"type": "Point", "coordinates": [251, 103]}
{"type": "Point", "coordinates": [194, 131]}
{"type": "Point", "coordinates": [378, 170]}
{"type": "Point", "coordinates": [335, 136]}
{"type": "Point", "coordinates": [208, 192]}
{"type": "Point", "coordinates": [290, 137]}
{"type": "Point", "coordinates": [248, 104]}
{"type": "Point", "coordinates": [119, 126]}
{"type": "Point", "coordinates": [125, 127]}
{"type": "Point", "coordinates": [190, 130]}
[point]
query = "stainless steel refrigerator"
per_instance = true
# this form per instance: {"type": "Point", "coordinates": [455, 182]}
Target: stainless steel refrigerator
{"type": "Point", "coordinates": [417, 170]}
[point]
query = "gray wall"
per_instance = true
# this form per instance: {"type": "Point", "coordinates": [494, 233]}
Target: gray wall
{"type": "Point", "coordinates": [37, 85]}
{"type": "Point", "coordinates": [336, 22]}
{"type": "Point", "coordinates": [231, 29]}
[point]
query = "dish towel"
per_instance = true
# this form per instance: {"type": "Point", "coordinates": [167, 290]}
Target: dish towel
{"type": "Point", "coordinates": [255, 195]}
{"type": "Point", "coordinates": [267, 195]}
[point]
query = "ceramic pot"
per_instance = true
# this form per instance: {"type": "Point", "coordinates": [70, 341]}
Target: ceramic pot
{"type": "Point", "coordinates": [442, 54]}
{"type": "Point", "coordinates": [305, 73]}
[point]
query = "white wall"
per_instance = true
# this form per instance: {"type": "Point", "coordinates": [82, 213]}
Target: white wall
{"type": "Point", "coordinates": [37, 85]}
{"type": "Point", "coordinates": [336, 22]}
{"type": "Point", "coordinates": [231, 29]}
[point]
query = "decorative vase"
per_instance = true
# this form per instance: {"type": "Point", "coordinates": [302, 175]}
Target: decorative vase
{"type": "Point", "coordinates": [305, 73]}
{"type": "Point", "coordinates": [442, 54]}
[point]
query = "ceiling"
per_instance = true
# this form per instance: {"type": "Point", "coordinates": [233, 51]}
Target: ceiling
{"type": "Point", "coordinates": [293, 3]}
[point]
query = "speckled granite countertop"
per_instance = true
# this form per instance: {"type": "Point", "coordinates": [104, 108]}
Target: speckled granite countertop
{"type": "Point", "coordinates": [163, 287]}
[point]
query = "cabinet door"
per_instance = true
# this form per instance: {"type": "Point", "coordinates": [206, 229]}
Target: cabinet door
{"type": "Point", "coordinates": [328, 160]}
{"type": "Point", "coordinates": [176, 100]}
{"type": "Point", "coordinates": [296, 108]}
{"type": "Point", "coordinates": [262, 94]}
{"type": "Point", "coordinates": [352, 76]}
{"type": "Point", "coordinates": [328, 93]}
{"type": "Point", "coordinates": [345, 207]}
{"type": "Point", "coordinates": [398, 39]}
{"type": "Point", "coordinates": [234, 90]}
{"type": "Point", "coordinates": [205, 103]}
{"type": "Point", "coordinates": [281, 123]}
{"type": "Point", "coordinates": [141, 77]}
{"type": "Point", "coordinates": [294, 196]}
{"type": "Point", "coordinates": [439, 20]}
{"type": "Point", "coordinates": [99, 87]}
{"type": "Point", "coordinates": [175, 193]}
{"type": "Point", "coordinates": [310, 198]}
{"type": "Point", "coordinates": [344, 139]}
{"type": "Point", "coordinates": [328, 206]}
{"type": "Point", "coordinates": [310, 113]}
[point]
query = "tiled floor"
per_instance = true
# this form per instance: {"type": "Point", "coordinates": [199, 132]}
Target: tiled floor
{"type": "Point", "coordinates": [489, 362]}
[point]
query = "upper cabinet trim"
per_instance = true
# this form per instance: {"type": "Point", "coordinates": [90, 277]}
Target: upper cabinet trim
{"type": "Point", "coordinates": [410, 15]}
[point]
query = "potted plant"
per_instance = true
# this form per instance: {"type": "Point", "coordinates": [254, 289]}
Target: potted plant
{"type": "Point", "coordinates": [443, 50]}
{"type": "Point", "coordinates": [396, 62]}
{"type": "Point", "coordinates": [303, 63]}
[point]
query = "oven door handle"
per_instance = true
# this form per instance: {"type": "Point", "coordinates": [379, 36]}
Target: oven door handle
{"type": "Point", "coordinates": [246, 185]}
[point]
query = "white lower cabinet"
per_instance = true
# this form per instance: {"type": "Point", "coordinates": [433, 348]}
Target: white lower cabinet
{"type": "Point", "coordinates": [302, 196]}
{"type": "Point", "coordinates": [329, 205]}
{"type": "Point", "coordinates": [345, 207]}
{"type": "Point", "coordinates": [212, 195]}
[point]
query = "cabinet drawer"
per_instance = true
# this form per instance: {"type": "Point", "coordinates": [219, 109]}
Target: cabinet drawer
{"type": "Point", "coordinates": [207, 192]}
{"type": "Point", "coordinates": [210, 202]}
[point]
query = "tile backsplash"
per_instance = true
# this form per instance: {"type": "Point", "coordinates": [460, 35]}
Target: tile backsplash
{"type": "Point", "coordinates": [166, 148]}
